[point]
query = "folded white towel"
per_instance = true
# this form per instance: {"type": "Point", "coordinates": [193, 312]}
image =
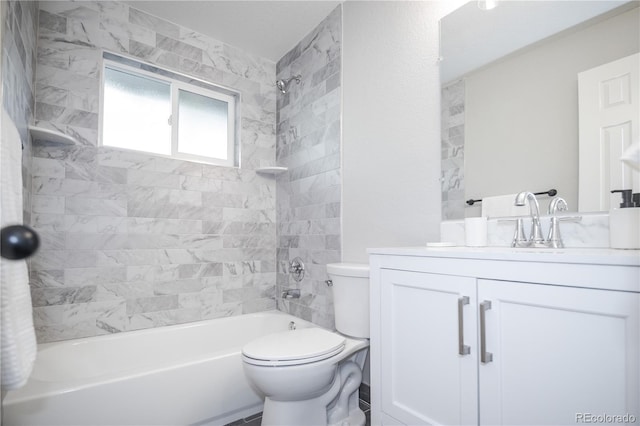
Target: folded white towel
{"type": "Point", "coordinates": [502, 206]}
{"type": "Point", "coordinates": [18, 340]}
{"type": "Point", "coordinates": [631, 156]}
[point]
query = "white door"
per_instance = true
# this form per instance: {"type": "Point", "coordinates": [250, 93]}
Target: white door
{"type": "Point", "coordinates": [427, 377]}
{"type": "Point", "coordinates": [609, 99]}
{"type": "Point", "coordinates": [559, 354]}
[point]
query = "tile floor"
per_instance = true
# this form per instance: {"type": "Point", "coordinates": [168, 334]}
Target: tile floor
{"type": "Point", "coordinates": [256, 419]}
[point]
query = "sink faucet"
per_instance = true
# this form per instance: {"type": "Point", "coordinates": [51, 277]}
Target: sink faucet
{"type": "Point", "coordinates": [535, 238]}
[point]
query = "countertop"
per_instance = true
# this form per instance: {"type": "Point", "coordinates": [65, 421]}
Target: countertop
{"type": "Point", "coordinates": [592, 256]}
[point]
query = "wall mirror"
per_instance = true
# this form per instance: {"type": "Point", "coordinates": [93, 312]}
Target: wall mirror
{"type": "Point", "coordinates": [510, 93]}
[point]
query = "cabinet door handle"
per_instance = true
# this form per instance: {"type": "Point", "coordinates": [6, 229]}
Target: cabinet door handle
{"type": "Point", "coordinates": [485, 357]}
{"type": "Point", "coordinates": [462, 348]}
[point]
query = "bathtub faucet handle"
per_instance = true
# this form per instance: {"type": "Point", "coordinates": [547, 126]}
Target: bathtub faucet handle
{"type": "Point", "coordinates": [296, 269]}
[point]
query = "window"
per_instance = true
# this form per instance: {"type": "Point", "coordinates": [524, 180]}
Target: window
{"type": "Point", "coordinates": [148, 109]}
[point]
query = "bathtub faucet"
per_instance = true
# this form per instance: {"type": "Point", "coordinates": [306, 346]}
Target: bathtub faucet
{"type": "Point", "coordinates": [292, 293]}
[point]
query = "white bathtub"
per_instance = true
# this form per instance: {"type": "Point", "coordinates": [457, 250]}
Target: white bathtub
{"type": "Point", "coordinates": [187, 374]}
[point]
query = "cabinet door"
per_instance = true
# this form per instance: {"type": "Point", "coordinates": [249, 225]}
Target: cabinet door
{"type": "Point", "coordinates": [559, 354]}
{"type": "Point", "coordinates": [425, 380]}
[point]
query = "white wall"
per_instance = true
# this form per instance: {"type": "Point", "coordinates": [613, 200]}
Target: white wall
{"type": "Point", "coordinates": [391, 125]}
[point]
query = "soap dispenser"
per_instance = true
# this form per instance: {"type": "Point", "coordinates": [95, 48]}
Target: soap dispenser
{"type": "Point", "coordinates": [624, 223]}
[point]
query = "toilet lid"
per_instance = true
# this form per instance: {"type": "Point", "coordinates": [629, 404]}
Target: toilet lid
{"type": "Point", "coordinates": [293, 347]}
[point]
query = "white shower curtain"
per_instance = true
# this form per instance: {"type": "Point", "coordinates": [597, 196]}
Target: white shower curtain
{"type": "Point", "coordinates": [18, 341]}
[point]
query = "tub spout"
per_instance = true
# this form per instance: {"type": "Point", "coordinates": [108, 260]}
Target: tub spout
{"type": "Point", "coordinates": [292, 293]}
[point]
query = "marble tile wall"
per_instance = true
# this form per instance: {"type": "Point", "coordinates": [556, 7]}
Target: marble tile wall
{"type": "Point", "coordinates": [19, 34]}
{"type": "Point", "coordinates": [131, 240]}
{"type": "Point", "coordinates": [452, 131]}
{"type": "Point", "coordinates": [308, 143]}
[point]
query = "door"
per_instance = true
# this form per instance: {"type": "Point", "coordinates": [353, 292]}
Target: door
{"type": "Point", "coordinates": [429, 362]}
{"type": "Point", "coordinates": [559, 354]}
{"type": "Point", "coordinates": [609, 99]}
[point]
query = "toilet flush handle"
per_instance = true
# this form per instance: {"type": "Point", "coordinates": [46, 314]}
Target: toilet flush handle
{"type": "Point", "coordinates": [329, 283]}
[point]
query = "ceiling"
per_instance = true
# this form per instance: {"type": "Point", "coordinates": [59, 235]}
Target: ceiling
{"type": "Point", "coordinates": [265, 28]}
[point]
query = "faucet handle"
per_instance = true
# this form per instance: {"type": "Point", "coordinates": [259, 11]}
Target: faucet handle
{"type": "Point", "coordinates": [570, 218]}
{"type": "Point", "coordinates": [558, 204]}
{"type": "Point", "coordinates": [555, 239]}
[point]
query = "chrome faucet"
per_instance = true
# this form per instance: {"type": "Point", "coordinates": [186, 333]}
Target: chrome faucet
{"type": "Point", "coordinates": [558, 204]}
{"type": "Point", "coordinates": [535, 238]}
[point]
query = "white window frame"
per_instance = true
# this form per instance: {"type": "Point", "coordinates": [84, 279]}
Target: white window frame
{"type": "Point", "coordinates": [173, 119]}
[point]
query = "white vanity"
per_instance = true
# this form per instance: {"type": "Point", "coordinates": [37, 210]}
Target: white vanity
{"type": "Point", "coordinates": [504, 336]}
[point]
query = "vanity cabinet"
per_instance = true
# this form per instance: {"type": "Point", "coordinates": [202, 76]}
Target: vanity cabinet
{"type": "Point", "coordinates": [423, 379]}
{"type": "Point", "coordinates": [461, 339]}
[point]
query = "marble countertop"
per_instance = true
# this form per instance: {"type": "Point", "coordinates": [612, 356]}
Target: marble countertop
{"type": "Point", "coordinates": [593, 256]}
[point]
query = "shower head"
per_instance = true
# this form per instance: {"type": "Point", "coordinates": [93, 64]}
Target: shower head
{"type": "Point", "coordinates": [283, 85]}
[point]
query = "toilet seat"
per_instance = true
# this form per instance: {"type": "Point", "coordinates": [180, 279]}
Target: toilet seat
{"type": "Point", "coordinates": [294, 347]}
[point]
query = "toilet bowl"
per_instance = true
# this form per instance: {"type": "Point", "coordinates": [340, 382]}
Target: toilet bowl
{"type": "Point", "coordinates": [311, 376]}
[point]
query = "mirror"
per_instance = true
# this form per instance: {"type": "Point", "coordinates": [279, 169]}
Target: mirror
{"type": "Point", "coordinates": [510, 94]}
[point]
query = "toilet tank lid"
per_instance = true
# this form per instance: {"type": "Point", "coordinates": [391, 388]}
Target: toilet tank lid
{"type": "Point", "coordinates": [348, 269]}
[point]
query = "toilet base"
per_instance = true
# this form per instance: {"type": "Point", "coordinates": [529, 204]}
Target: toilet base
{"type": "Point", "coordinates": [337, 406]}
{"type": "Point", "coordinates": [294, 413]}
{"type": "Point", "coordinates": [356, 418]}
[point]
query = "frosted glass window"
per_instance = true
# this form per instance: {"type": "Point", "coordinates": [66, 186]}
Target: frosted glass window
{"type": "Point", "coordinates": [149, 109]}
{"type": "Point", "coordinates": [136, 112]}
{"type": "Point", "coordinates": [202, 125]}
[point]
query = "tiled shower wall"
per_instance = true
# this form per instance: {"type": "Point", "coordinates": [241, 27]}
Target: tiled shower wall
{"type": "Point", "coordinates": [19, 32]}
{"type": "Point", "coordinates": [452, 131]}
{"type": "Point", "coordinates": [308, 143]}
{"type": "Point", "coordinates": [130, 240]}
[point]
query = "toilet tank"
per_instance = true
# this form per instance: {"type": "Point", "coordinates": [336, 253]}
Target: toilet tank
{"type": "Point", "coordinates": [350, 297]}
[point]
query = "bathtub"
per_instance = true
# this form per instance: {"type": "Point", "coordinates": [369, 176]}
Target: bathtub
{"type": "Point", "coordinates": [187, 374]}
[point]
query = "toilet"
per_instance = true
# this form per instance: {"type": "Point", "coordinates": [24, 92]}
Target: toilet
{"type": "Point", "coordinates": [311, 376]}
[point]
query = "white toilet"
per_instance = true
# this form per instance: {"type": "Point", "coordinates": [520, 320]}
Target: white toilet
{"type": "Point", "coordinates": [311, 376]}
